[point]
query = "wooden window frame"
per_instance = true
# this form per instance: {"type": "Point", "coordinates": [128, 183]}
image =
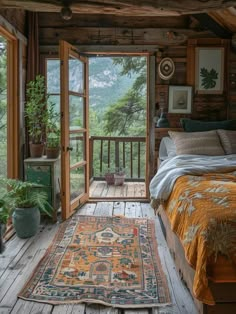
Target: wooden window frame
{"type": "Point", "coordinates": [12, 103]}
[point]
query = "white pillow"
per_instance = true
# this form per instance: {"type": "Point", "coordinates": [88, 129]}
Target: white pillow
{"type": "Point", "coordinates": [167, 148]}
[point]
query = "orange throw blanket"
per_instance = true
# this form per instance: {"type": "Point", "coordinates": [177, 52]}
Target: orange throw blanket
{"type": "Point", "coordinates": [202, 212]}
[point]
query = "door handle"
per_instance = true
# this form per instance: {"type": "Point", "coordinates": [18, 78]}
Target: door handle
{"type": "Point", "coordinates": [69, 148]}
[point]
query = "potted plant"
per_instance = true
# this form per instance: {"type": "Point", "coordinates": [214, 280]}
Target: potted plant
{"type": "Point", "coordinates": [25, 200]}
{"type": "Point", "coordinates": [119, 176]}
{"type": "Point", "coordinates": [36, 114]}
{"type": "Point", "coordinates": [116, 177]}
{"type": "Point", "coordinates": [109, 177]}
{"type": "Point", "coordinates": [52, 132]}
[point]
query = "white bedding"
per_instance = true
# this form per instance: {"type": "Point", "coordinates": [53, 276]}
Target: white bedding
{"type": "Point", "coordinates": [162, 183]}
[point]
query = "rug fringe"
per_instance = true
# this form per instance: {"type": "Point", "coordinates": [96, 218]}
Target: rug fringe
{"type": "Point", "coordinates": [89, 301]}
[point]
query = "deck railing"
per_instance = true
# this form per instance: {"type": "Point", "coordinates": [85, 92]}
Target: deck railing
{"type": "Point", "coordinates": [109, 153]}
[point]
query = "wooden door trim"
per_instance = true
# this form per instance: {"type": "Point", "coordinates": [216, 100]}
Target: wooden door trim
{"type": "Point", "coordinates": [68, 205]}
{"type": "Point", "coordinates": [12, 103]}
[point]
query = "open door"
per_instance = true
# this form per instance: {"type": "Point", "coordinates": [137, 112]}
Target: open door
{"type": "Point", "coordinates": [74, 129]}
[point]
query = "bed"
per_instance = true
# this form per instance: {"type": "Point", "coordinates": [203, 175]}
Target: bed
{"type": "Point", "coordinates": [194, 194]}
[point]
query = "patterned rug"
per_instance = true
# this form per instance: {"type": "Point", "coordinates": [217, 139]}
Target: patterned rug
{"type": "Point", "coordinates": [107, 260]}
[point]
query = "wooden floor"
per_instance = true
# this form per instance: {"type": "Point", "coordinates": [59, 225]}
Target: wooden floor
{"type": "Point", "coordinates": [22, 255]}
{"type": "Point", "coordinates": [100, 189]}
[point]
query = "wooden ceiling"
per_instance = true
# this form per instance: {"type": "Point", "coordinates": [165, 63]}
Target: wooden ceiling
{"type": "Point", "coordinates": [223, 12]}
{"type": "Point", "coordinates": [122, 7]}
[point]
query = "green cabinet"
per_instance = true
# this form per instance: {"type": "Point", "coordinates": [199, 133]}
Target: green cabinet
{"type": "Point", "coordinates": [46, 172]}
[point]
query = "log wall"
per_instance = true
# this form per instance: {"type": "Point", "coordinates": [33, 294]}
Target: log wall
{"type": "Point", "coordinates": [120, 32]}
{"type": "Point", "coordinates": [16, 18]}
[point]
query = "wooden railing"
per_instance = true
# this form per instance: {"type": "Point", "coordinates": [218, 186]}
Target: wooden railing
{"type": "Point", "coordinates": [108, 154]}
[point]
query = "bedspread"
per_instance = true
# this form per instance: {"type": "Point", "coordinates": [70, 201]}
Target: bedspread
{"type": "Point", "coordinates": [171, 169]}
{"type": "Point", "coordinates": [202, 212]}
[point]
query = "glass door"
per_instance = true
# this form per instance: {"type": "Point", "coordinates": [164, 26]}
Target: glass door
{"type": "Point", "coordinates": [74, 129]}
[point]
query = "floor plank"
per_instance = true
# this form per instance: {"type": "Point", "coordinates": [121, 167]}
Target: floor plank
{"type": "Point", "coordinates": [69, 309]}
{"type": "Point", "coordinates": [100, 189]}
{"type": "Point", "coordinates": [104, 209]}
{"type": "Point", "coordinates": [13, 279]}
{"type": "Point", "coordinates": [119, 209]}
{"type": "Point", "coordinates": [133, 209]}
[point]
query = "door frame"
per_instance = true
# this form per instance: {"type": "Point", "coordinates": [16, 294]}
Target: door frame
{"type": "Point", "coordinates": [149, 124]}
{"type": "Point", "coordinates": [13, 125]}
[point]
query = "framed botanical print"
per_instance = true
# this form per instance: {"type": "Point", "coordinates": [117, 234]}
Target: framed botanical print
{"type": "Point", "coordinates": [209, 70]}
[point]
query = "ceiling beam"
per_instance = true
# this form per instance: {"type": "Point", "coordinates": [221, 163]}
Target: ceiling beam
{"type": "Point", "coordinates": [209, 23]}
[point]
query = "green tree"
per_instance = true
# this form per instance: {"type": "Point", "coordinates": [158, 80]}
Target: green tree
{"type": "Point", "coordinates": [128, 115]}
{"type": "Point", "coordinates": [134, 66]}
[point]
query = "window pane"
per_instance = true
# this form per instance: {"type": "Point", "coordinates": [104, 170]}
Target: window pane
{"type": "Point", "coordinates": [56, 100]}
{"type": "Point", "coordinates": [53, 76]}
{"type": "Point", "coordinates": [76, 76]}
{"type": "Point", "coordinates": [77, 145]}
{"type": "Point", "coordinates": [77, 182]}
{"type": "Point", "coordinates": [76, 112]}
{"type": "Point", "coordinates": [3, 106]}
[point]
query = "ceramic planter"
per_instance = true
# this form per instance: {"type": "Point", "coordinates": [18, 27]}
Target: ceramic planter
{"type": "Point", "coordinates": [26, 221]}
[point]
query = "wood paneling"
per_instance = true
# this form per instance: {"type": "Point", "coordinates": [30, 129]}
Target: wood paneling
{"type": "Point", "coordinates": [124, 7]}
{"type": "Point", "coordinates": [48, 20]}
{"type": "Point", "coordinates": [15, 17]}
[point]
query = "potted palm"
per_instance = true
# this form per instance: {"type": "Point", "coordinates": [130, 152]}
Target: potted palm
{"type": "Point", "coordinates": [25, 200]}
{"type": "Point", "coordinates": [36, 114]}
{"type": "Point", "coordinates": [52, 132]}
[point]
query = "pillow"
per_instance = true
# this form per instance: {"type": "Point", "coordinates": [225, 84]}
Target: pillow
{"type": "Point", "coordinates": [197, 143]}
{"type": "Point", "coordinates": [167, 148]}
{"type": "Point", "coordinates": [198, 126]}
{"type": "Point", "coordinates": [228, 141]}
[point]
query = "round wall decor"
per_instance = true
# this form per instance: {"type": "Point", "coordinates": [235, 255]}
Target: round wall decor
{"type": "Point", "coordinates": [166, 68]}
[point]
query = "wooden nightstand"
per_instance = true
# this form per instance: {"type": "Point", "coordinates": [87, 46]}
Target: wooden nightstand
{"type": "Point", "coordinates": [46, 172]}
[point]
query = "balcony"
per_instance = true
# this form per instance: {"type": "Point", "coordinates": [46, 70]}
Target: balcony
{"type": "Point", "coordinates": [110, 154]}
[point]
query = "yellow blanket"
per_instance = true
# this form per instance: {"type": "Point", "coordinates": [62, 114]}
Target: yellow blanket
{"type": "Point", "coordinates": [202, 212]}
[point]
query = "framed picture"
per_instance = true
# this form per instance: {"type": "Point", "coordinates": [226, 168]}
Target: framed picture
{"type": "Point", "coordinates": [209, 70]}
{"type": "Point", "coordinates": [180, 99]}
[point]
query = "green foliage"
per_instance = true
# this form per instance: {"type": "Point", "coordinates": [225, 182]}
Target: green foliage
{"type": "Point", "coordinates": [208, 78]}
{"type": "Point", "coordinates": [127, 116]}
{"type": "Point", "coordinates": [52, 126]}
{"type": "Point", "coordinates": [4, 212]}
{"type": "Point", "coordinates": [25, 195]}
{"type": "Point", "coordinates": [35, 108]}
{"type": "Point", "coordinates": [131, 66]}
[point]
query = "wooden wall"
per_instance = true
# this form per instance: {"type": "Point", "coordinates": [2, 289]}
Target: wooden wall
{"type": "Point", "coordinates": [102, 30]}
{"type": "Point", "coordinates": [17, 18]}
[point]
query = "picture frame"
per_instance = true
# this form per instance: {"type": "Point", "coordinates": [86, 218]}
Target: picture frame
{"type": "Point", "coordinates": [209, 70]}
{"type": "Point", "coordinates": [180, 99]}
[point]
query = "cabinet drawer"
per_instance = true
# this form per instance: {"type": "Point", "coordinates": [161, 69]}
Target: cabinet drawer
{"type": "Point", "coordinates": [39, 174]}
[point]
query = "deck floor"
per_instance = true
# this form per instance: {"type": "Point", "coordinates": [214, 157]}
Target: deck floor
{"type": "Point", "coordinates": [100, 189]}
{"type": "Point", "coordinates": [22, 255]}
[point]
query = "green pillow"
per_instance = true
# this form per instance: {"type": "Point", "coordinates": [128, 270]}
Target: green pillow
{"type": "Point", "coordinates": [199, 126]}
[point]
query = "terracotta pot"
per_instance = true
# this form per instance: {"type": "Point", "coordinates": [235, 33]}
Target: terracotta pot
{"type": "Point", "coordinates": [52, 152]}
{"type": "Point", "coordinates": [36, 150]}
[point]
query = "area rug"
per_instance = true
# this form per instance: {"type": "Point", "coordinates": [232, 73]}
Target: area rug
{"type": "Point", "coordinates": [108, 260]}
